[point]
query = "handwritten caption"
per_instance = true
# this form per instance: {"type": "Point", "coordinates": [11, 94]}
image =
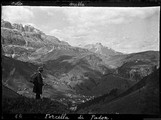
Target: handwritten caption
{"type": "Point", "coordinates": [18, 3]}
{"type": "Point", "coordinates": [18, 116]}
{"type": "Point", "coordinates": [67, 117]}
{"type": "Point", "coordinates": [77, 4]}
{"type": "Point", "coordinates": [63, 116]}
{"type": "Point", "coordinates": [80, 117]}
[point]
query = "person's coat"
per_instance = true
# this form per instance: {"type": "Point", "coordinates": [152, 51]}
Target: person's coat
{"type": "Point", "coordinates": [38, 83]}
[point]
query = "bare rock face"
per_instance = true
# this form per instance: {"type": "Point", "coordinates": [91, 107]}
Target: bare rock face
{"type": "Point", "coordinates": [136, 72]}
{"type": "Point", "coordinates": [29, 28]}
{"type": "Point", "coordinates": [19, 40]}
{"type": "Point", "coordinates": [30, 31]}
{"type": "Point", "coordinates": [100, 49]}
{"type": "Point", "coordinates": [33, 36]}
{"type": "Point", "coordinates": [6, 24]}
{"type": "Point", "coordinates": [18, 27]}
{"type": "Point", "coordinates": [12, 37]}
{"type": "Point", "coordinates": [139, 73]}
{"type": "Point", "coordinates": [38, 32]}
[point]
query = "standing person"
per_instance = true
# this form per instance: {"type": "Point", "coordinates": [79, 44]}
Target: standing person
{"type": "Point", "coordinates": [38, 83]}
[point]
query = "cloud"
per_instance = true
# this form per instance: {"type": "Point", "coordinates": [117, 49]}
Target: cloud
{"type": "Point", "coordinates": [85, 23]}
{"type": "Point", "coordinates": [74, 31]}
{"type": "Point", "coordinates": [75, 35]}
{"type": "Point", "coordinates": [32, 24]}
{"type": "Point", "coordinates": [50, 11]}
{"type": "Point", "coordinates": [90, 16]}
{"type": "Point", "coordinates": [18, 14]}
{"type": "Point", "coordinates": [78, 25]}
{"type": "Point", "coordinates": [127, 45]}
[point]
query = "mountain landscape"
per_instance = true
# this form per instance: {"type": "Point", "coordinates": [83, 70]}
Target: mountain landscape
{"type": "Point", "coordinates": [100, 49]}
{"type": "Point", "coordinates": [87, 79]}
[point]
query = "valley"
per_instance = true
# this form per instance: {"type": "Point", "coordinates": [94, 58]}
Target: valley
{"type": "Point", "coordinates": [78, 78]}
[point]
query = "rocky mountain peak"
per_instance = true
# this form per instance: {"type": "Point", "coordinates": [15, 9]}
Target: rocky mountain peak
{"type": "Point", "coordinates": [100, 49]}
{"type": "Point", "coordinates": [99, 44]}
{"type": "Point", "coordinates": [6, 24]}
{"type": "Point", "coordinates": [29, 28]}
{"type": "Point", "coordinates": [18, 27]}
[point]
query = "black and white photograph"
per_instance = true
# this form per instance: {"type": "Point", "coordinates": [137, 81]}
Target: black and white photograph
{"type": "Point", "coordinates": [80, 60]}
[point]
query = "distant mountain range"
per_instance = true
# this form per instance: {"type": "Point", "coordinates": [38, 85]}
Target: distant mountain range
{"type": "Point", "coordinates": [72, 74]}
{"type": "Point", "coordinates": [100, 49]}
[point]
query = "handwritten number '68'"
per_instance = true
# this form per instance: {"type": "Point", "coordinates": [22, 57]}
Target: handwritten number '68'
{"type": "Point", "coordinates": [18, 116]}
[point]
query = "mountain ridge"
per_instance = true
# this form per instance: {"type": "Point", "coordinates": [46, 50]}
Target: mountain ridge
{"type": "Point", "coordinates": [100, 49]}
{"type": "Point", "coordinates": [28, 38]}
{"type": "Point", "coordinates": [72, 74]}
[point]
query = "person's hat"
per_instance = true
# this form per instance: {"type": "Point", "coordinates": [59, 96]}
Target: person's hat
{"type": "Point", "coordinates": [40, 69]}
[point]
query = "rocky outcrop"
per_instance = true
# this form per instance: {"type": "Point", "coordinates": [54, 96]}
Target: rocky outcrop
{"type": "Point", "coordinates": [18, 27]}
{"type": "Point", "coordinates": [6, 24]}
{"type": "Point", "coordinates": [29, 28]}
{"type": "Point", "coordinates": [140, 72]}
{"type": "Point", "coordinates": [135, 72]}
{"type": "Point", "coordinates": [32, 36]}
{"type": "Point", "coordinates": [18, 39]}
{"type": "Point", "coordinates": [135, 66]}
{"type": "Point", "coordinates": [12, 37]}
{"type": "Point", "coordinates": [100, 49]}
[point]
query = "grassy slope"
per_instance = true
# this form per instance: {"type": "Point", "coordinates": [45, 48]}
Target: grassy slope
{"type": "Point", "coordinates": [30, 105]}
{"type": "Point", "coordinates": [14, 103]}
{"type": "Point", "coordinates": [8, 93]}
{"type": "Point", "coordinates": [110, 82]}
{"type": "Point", "coordinates": [25, 69]}
{"type": "Point", "coordinates": [142, 98]}
{"type": "Point", "coordinates": [16, 75]}
{"type": "Point", "coordinates": [130, 104]}
{"type": "Point", "coordinates": [145, 99]}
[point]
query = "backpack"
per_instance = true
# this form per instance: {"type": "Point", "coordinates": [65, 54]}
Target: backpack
{"type": "Point", "coordinates": [33, 77]}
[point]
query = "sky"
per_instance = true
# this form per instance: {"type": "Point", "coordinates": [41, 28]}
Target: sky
{"type": "Point", "coordinates": [124, 29]}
